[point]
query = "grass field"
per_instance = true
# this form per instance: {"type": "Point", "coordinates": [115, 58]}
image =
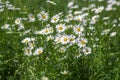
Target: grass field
{"type": "Point", "coordinates": [59, 40]}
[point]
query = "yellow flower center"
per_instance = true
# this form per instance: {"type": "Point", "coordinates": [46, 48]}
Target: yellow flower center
{"type": "Point", "coordinates": [46, 31]}
{"type": "Point", "coordinates": [71, 39]}
{"type": "Point", "coordinates": [60, 28]}
{"type": "Point", "coordinates": [65, 39]}
{"type": "Point", "coordinates": [43, 16]}
{"type": "Point", "coordinates": [39, 51]}
{"type": "Point", "coordinates": [55, 19]}
{"type": "Point", "coordinates": [78, 29]}
{"type": "Point", "coordinates": [82, 42]}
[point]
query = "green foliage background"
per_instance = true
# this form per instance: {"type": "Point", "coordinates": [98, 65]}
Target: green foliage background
{"type": "Point", "coordinates": [102, 64]}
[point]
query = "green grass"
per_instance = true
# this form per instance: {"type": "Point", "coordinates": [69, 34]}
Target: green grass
{"type": "Point", "coordinates": [102, 64]}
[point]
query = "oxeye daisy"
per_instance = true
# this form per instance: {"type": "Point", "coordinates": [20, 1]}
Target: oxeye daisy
{"type": "Point", "coordinates": [94, 19]}
{"type": "Point", "coordinates": [55, 19]}
{"type": "Point", "coordinates": [60, 28]}
{"type": "Point", "coordinates": [28, 51]}
{"type": "Point", "coordinates": [31, 17]}
{"type": "Point", "coordinates": [26, 40]}
{"type": "Point", "coordinates": [43, 16]}
{"type": "Point", "coordinates": [17, 21]}
{"type": "Point", "coordinates": [87, 50]}
{"type": "Point", "coordinates": [72, 39]}
{"type": "Point", "coordinates": [38, 51]}
{"type": "Point", "coordinates": [64, 39]}
{"type": "Point", "coordinates": [6, 26]}
{"type": "Point", "coordinates": [78, 29]}
{"type": "Point", "coordinates": [82, 42]}
{"type": "Point", "coordinates": [57, 39]}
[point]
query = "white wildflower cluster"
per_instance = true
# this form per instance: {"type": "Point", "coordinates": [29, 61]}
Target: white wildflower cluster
{"type": "Point", "coordinates": [7, 5]}
{"type": "Point", "coordinates": [63, 31]}
{"type": "Point", "coordinates": [30, 46]}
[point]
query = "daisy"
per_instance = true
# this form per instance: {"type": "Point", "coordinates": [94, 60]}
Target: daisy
{"type": "Point", "coordinates": [31, 17]}
{"type": "Point", "coordinates": [94, 19]}
{"type": "Point", "coordinates": [57, 39]}
{"type": "Point", "coordinates": [51, 2]}
{"type": "Point", "coordinates": [64, 39]}
{"type": "Point", "coordinates": [60, 28]}
{"type": "Point", "coordinates": [44, 78]}
{"type": "Point", "coordinates": [87, 50]}
{"type": "Point", "coordinates": [27, 40]}
{"type": "Point", "coordinates": [28, 51]}
{"type": "Point", "coordinates": [78, 29]}
{"type": "Point", "coordinates": [43, 16]}
{"type": "Point", "coordinates": [82, 42]}
{"type": "Point", "coordinates": [64, 72]}
{"type": "Point", "coordinates": [17, 21]}
{"type": "Point", "coordinates": [6, 26]}
{"type": "Point", "coordinates": [72, 39]}
{"type": "Point", "coordinates": [55, 19]}
{"type": "Point", "coordinates": [21, 26]}
{"type": "Point", "coordinates": [38, 51]}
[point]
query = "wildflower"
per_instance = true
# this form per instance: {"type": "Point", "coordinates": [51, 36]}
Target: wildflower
{"type": "Point", "coordinates": [113, 34]}
{"type": "Point", "coordinates": [94, 19]}
{"type": "Point", "coordinates": [64, 39]}
{"type": "Point", "coordinates": [17, 21]}
{"type": "Point", "coordinates": [44, 78]}
{"type": "Point", "coordinates": [28, 51]}
{"type": "Point", "coordinates": [87, 50]}
{"type": "Point", "coordinates": [31, 17]}
{"type": "Point", "coordinates": [50, 38]}
{"type": "Point", "coordinates": [57, 39]}
{"type": "Point", "coordinates": [82, 42]}
{"type": "Point", "coordinates": [21, 26]}
{"type": "Point", "coordinates": [43, 16]}
{"type": "Point", "coordinates": [60, 28]}
{"type": "Point", "coordinates": [98, 10]}
{"type": "Point", "coordinates": [78, 29]}
{"type": "Point", "coordinates": [51, 2]}
{"type": "Point", "coordinates": [64, 72]}
{"type": "Point", "coordinates": [6, 26]}
{"type": "Point", "coordinates": [38, 51]}
{"type": "Point", "coordinates": [55, 19]}
{"type": "Point", "coordinates": [72, 39]}
{"type": "Point", "coordinates": [62, 49]}
{"type": "Point", "coordinates": [105, 32]}
{"type": "Point", "coordinates": [31, 44]}
{"type": "Point", "coordinates": [26, 40]}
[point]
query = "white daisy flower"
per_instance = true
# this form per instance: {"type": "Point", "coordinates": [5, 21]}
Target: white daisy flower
{"type": "Point", "coordinates": [6, 26]}
{"type": "Point", "coordinates": [113, 34]}
{"type": "Point", "coordinates": [64, 72]}
{"type": "Point", "coordinates": [60, 28]}
{"type": "Point", "coordinates": [64, 39]}
{"type": "Point", "coordinates": [87, 50]}
{"type": "Point", "coordinates": [72, 39]}
{"type": "Point", "coordinates": [44, 78]}
{"type": "Point", "coordinates": [94, 19]}
{"type": "Point", "coordinates": [26, 40]}
{"type": "Point", "coordinates": [43, 16]}
{"type": "Point", "coordinates": [28, 51]}
{"type": "Point", "coordinates": [17, 21]}
{"type": "Point", "coordinates": [21, 26]}
{"type": "Point", "coordinates": [78, 29]}
{"type": "Point", "coordinates": [57, 38]}
{"type": "Point", "coordinates": [38, 51]}
{"type": "Point", "coordinates": [55, 19]}
{"type": "Point", "coordinates": [51, 2]}
{"type": "Point", "coordinates": [31, 17]}
{"type": "Point", "coordinates": [82, 42]}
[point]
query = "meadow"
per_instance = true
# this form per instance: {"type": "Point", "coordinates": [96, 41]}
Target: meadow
{"type": "Point", "coordinates": [59, 40]}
